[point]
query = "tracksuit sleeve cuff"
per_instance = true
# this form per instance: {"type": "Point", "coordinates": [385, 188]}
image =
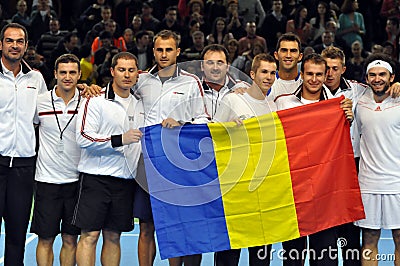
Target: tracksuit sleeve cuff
{"type": "Point", "coordinates": [116, 141]}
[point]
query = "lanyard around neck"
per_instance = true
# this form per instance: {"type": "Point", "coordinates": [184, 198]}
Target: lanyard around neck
{"type": "Point", "coordinates": [55, 113]}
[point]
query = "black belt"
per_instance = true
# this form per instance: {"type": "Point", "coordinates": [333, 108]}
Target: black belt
{"type": "Point", "coordinates": [8, 161]}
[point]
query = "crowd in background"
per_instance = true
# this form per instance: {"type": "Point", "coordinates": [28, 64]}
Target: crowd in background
{"type": "Point", "coordinates": [96, 30]}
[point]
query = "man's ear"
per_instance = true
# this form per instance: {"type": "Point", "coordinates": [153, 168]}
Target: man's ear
{"type": "Point", "coordinates": [392, 76]}
{"type": "Point", "coordinates": [252, 74]}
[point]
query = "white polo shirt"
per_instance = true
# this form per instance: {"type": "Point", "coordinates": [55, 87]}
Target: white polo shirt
{"type": "Point", "coordinates": [54, 165]}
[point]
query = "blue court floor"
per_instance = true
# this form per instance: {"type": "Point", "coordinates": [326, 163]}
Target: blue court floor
{"type": "Point", "coordinates": [129, 249]}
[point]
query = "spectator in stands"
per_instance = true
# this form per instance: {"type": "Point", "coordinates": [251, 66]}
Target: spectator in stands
{"type": "Point", "coordinates": [106, 13]}
{"type": "Point", "coordinates": [390, 8]}
{"type": "Point", "coordinates": [351, 23]}
{"type": "Point", "coordinates": [187, 39]}
{"type": "Point", "coordinates": [274, 25]}
{"type": "Point", "coordinates": [376, 49]}
{"type": "Point", "coordinates": [252, 10]}
{"type": "Point", "coordinates": [68, 45]}
{"type": "Point", "coordinates": [389, 49]}
{"type": "Point", "coordinates": [328, 39]}
{"type": "Point", "coordinates": [117, 41]}
{"type": "Point", "coordinates": [393, 34]}
{"type": "Point", "coordinates": [36, 4]}
{"type": "Point", "coordinates": [194, 52]}
{"type": "Point", "coordinates": [214, 9]}
{"type": "Point", "coordinates": [104, 67]}
{"type": "Point", "coordinates": [49, 40]}
{"type": "Point", "coordinates": [124, 10]}
{"type": "Point", "coordinates": [149, 22]}
{"type": "Point", "coordinates": [136, 24]}
{"type": "Point", "coordinates": [355, 66]}
{"type": "Point", "coordinates": [37, 61]}
{"type": "Point", "coordinates": [105, 45]}
{"type": "Point", "coordinates": [289, 8]}
{"type": "Point", "coordinates": [299, 25]}
{"type": "Point", "coordinates": [89, 18]}
{"type": "Point", "coordinates": [196, 13]}
{"type": "Point", "coordinates": [247, 42]}
{"type": "Point", "coordinates": [40, 20]}
{"type": "Point", "coordinates": [128, 38]}
{"type": "Point", "coordinates": [232, 46]}
{"type": "Point", "coordinates": [219, 32]}
{"type": "Point", "coordinates": [88, 70]}
{"type": "Point", "coordinates": [319, 21]}
{"type": "Point", "coordinates": [21, 17]}
{"type": "Point", "coordinates": [170, 21]}
{"type": "Point", "coordinates": [234, 22]}
{"type": "Point", "coordinates": [332, 26]}
{"type": "Point", "coordinates": [143, 50]}
{"type": "Point", "coordinates": [243, 62]}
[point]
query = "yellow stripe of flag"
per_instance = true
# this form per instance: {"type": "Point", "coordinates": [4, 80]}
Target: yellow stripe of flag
{"type": "Point", "coordinates": [242, 186]}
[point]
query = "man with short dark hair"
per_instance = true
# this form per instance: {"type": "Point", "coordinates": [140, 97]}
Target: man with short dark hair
{"type": "Point", "coordinates": [143, 50]}
{"type": "Point", "coordinates": [311, 90]}
{"type": "Point", "coordinates": [20, 87]}
{"type": "Point", "coordinates": [108, 135]}
{"type": "Point", "coordinates": [172, 97]}
{"type": "Point", "coordinates": [353, 90]}
{"type": "Point", "coordinates": [216, 79]}
{"type": "Point", "coordinates": [194, 52]}
{"type": "Point", "coordinates": [378, 120]}
{"type": "Point", "coordinates": [68, 45]}
{"type": "Point", "coordinates": [48, 41]}
{"type": "Point", "coordinates": [149, 22]}
{"type": "Point", "coordinates": [328, 39]}
{"type": "Point", "coordinates": [56, 175]}
{"type": "Point", "coordinates": [288, 54]}
{"type": "Point", "coordinates": [246, 43]}
{"type": "Point", "coordinates": [170, 21]}
{"type": "Point", "coordinates": [274, 25]}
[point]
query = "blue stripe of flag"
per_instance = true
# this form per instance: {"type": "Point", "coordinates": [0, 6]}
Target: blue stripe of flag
{"type": "Point", "coordinates": [184, 190]}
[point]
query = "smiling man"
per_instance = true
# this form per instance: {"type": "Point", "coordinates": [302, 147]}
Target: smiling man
{"type": "Point", "coordinates": [288, 53]}
{"type": "Point", "coordinates": [253, 101]}
{"type": "Point", "coordinates": [20, 87]}
{"type": "Point", "coordinates": [238, 107]}
{"type": "Point", "coordinates": [57, 174]}
{"type": "Point", "coordinates": [313, 73]}
{"type": "Point", "coordinates": [217, 81]}
{"type": "Point", "coordinates": [378, 122]}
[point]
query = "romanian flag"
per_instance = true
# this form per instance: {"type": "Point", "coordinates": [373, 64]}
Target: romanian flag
{"type": "Point", "coordinates": [280, 176]}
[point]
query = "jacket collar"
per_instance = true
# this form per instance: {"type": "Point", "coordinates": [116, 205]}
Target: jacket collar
{"type": "Point", "coordinates": [344, 84]}
{"type": "Point", "coordinates": [109, 93]}
{"type": "Point", "coordinates": [154, 71]}
{"type": "Point", "coordinates": [229, 83]}
{"type": "Point", "coordinates": [24, 67]}
{"type": "Point", "coordinates": [298, 91]}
